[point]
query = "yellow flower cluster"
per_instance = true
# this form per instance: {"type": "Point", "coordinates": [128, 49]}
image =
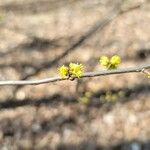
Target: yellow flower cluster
{"type": "Point", "coordinates": [104, 61]}
{"type": "Point", "coordinates": [74, 69]}
{"type": "Point", "coordinates": [63, 71]}
{"type": "Point", "coordinates": [110, 63]}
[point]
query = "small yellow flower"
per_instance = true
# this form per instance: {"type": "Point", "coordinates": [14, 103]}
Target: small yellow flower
{"type": "Point", "coordinates": [111, 63]}
{"type": "Point", "coordinates": [64, 71]}
{"type": "Point", "coordinates": [84, 100]}
{"type": "Point", "coordinates": [148, 75]}
{"type": "Point", "coordinates": [115, 60]}
{"type": "Point", "coordinates": [76, 69]}
{"type": "Point", "coordinates": [104, 61]}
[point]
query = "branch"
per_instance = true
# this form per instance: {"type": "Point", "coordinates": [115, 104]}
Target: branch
{"type": "Point", "coordinates": [85, 75]}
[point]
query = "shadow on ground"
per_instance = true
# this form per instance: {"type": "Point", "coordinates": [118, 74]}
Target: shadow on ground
{"type": "Point", "coordinates": [129, 94]}
{"type": "Point", "coordinates": [87, 145]}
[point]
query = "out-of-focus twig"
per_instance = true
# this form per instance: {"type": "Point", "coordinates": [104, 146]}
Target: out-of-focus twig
{"type": "Point", "coordinates": [98, 26]}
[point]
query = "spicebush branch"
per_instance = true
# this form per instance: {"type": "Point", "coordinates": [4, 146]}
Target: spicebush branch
{"type": "Point", "coordinates": [85, 75]}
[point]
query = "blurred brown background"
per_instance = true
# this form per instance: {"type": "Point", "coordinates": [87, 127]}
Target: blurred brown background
{"type": "Point", "coordinates": [102, 113]}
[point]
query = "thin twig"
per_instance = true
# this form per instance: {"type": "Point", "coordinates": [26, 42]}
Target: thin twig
{"type": "Point", "coordinates": [98, 26]}
{"type": "Point", "coordinates": [85, 75]}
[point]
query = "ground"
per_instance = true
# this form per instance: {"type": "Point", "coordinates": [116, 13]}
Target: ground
{"type": "Point", "coordinates": [38, 36]}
